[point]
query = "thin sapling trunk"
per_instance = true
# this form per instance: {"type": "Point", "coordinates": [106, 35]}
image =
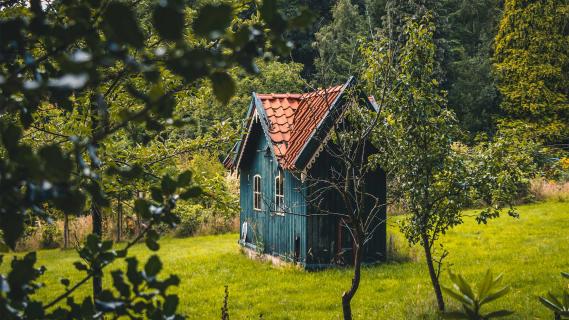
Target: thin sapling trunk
{"type": "Point", "coordinates": [432, 272]}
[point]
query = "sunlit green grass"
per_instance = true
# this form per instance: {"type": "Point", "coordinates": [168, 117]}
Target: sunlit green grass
{"type": "Point", "coordinates": [531, 252]}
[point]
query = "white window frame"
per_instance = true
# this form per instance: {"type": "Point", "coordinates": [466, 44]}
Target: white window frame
{"type": "Point", "coordinates": [257, 193]}
{"type": "Point", "coordinates": [279, 196]}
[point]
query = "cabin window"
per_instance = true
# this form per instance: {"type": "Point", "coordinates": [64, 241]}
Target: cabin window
{"type": "Point", "coordinates": [257, 192]}
{"type": "Point", "coordinates": [279, 192]}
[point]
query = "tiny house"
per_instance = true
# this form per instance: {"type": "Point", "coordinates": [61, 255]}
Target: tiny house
{"type": "Point", "coordinates": [278, 149]}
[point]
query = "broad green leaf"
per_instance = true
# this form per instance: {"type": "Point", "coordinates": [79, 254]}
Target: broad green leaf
{"type": "Point", "coordinates": [495, 295]}
{"type": "Point", "coordinates": [170, 304]}
{"type": "Point", "coordinates": [549, 304]}
{"type": "Point", "coordinates": [465, 287]}
{"type": "Point", "coordinates": [458, 296]}
{"type": "Point", "coordinates": [168, 185]}
{"type": "Point", "coordinates": [156, 194]}
{"type": "Point", "coordinates": [152, 266]}
{"type": "Point", "coordinates": [212, 20]}
{"type": "Point", "coordinates": [169, 21]}
{"type": "Point", "coordinates": [184, 178]}
{"type": "Point", "coordinates": [121, 25]}
{"type": "Point", "coordinates": [141, 207]}
{"type": "Point", "coordinates": [223, 86]}
{"type": "Point", "coordinates": [191, 193]}
{"type": "Point", "coordinates": [485, 284]}
{"type": "Point", "coordinates": [152, 244]}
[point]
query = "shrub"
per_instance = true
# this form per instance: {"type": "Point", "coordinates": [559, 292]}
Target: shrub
{"type": "Point", "coordinates": [472, 302]}
{"type": "Point", "coordinates": [189, 220]}
{"type": "Point", "coordinates": [50, 236]}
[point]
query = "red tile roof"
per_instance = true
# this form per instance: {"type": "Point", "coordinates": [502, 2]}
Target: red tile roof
{"type": "Point", "coordinates": [293, 119]}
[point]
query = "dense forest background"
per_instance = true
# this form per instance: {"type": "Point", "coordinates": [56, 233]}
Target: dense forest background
{"type": "Point", "coordinates": [116, 115]}
{"type": "Point", "coordinates": [500, 64]}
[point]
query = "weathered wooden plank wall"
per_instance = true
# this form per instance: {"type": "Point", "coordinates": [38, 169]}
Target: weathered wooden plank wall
{"type": "Point", "coordinates": [268, 230]}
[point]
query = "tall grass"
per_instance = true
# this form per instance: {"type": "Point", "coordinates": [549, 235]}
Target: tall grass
{"type": "Point", "coordinates": [547, 190]}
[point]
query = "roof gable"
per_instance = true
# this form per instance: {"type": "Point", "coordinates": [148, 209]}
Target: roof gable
{"type": "Point", "coordinates": [295, 124]}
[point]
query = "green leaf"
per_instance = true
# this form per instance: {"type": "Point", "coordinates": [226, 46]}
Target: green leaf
{"type": "Point", "coordinates": [168, 185]}
{"type": "Point", "coordinates": [119, 283]}
{"type": "Point", "coordinates": [65, 282]}
{"type": "Point", "coordinates": [554, 299]}
{"type": "Point", "coordinates": [565, 274]}
{"type": "Point", "coordinates": [121, 26]}
{"type": "Point", "coordinates": [171, 304]}
{"type": "Point", "coordinates": [458, 296]}
{"type": "Point", "coordinates": [270, 14]}
{"type": "Point", "coordinates": [184, 178]}
{"type": "Point", "coordinates": [168, 21]}
{"type": "Point", "coordinates": [152, 244]}
{"type": "Point", "coordinates": [497, 314]}
{"type": "Point", "coordinates": [485, 284]}
{"type": "Point", "coordinates": [141, 207]}
{"type": "Point", "coordinates": [464, 287]}
{"type": "Point", "coordinates": [212, 20]}
{"type": "Point", "coordinates": [80, 266]}
{"type": "Point", "coordinates": [152, 266]}
{"type": "Point", "coordinates": [11, 135]}
{"type": "Point", "coordinates": [131, 273]}
{"type": "Point", "coordinates": [156, 194]}
{"type": "Point", "coordinates": [192, 192]}
{"type": "Point", "coordinates": [549, 304]}
{"type": "Point", "coordinates": [495, 295]}
{"type": "Point", "coordinates": [13, 231]}
{"type": "Point", "coordinates": [223, 86]}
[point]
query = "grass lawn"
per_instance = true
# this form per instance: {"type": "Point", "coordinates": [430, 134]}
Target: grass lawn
{"type": "Point", "coordinates": [531, 252]}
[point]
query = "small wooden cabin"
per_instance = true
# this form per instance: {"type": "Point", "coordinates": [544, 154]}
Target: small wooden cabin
{"type": "Point", "coordinates": [278, 149]}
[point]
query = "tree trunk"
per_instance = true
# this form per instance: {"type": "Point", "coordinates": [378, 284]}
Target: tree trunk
{"type": "Point", "coordinates": [97, 221]}
{"type": "Point", "coordinates": [65, 231]}
{"type": "Point", "coordinates": [119, 218]}
{"type": "Point", "coordinates": [99, 123]}
{"type": "Point", "coordinates": [348, 295]}
{"type": "Point", "coordinates": [432, 273]}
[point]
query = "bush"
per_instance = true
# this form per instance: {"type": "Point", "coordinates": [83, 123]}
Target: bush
{"type": "Point", "coordinates": [216, 210]}
{"type": "Point", "coordinates": [50, 236]}
{"type": "Point", "coordinates": [473, 299]}
{"type": "Point", "coordinates": [189, 222]}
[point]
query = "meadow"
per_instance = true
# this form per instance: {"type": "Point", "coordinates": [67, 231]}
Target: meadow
{"type": "Point", "coordinates": [530, 251]}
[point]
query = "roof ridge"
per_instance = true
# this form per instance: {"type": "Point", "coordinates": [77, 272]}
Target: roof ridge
{"type": "Point", "coordinates": [302, 95]}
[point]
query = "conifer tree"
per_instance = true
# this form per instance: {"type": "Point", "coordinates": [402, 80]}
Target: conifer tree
{"type": "Point", "coordinates": [532, 66]}
{"type": "Point", "coordinates": [472, 93]}
{"type": "Point", "coordinates": [337, 44]}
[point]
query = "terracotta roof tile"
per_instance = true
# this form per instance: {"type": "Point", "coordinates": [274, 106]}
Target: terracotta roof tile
{"type": "Point", "coordinates": [294, 117]}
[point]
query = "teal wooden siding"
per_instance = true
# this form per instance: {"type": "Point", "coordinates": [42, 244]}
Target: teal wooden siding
{"type": "Point", "coordinates": [269, 230]}
{"type": "Point", "coordinates": [321, 241]}
{"type": "Point", "coordinates": [327, 241]}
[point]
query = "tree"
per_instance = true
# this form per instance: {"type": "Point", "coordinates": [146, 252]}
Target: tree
{"type": "Point", "coordinates": [110, 69]}
{"type": "Point", "coordinates": [418, 144]}
{"type": "Point", "coordinates": [352, 179]}
{"type": "Point", "coordinates": [472, 93]}
{"type": "Point", "coordinates": [303, 51]}
{"type": "Point", "coordinates": [532, 66]}
{"type": "Point", "coordinates": [394, 24]}
{"type": "Point", "coordinates": [337, 44]}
